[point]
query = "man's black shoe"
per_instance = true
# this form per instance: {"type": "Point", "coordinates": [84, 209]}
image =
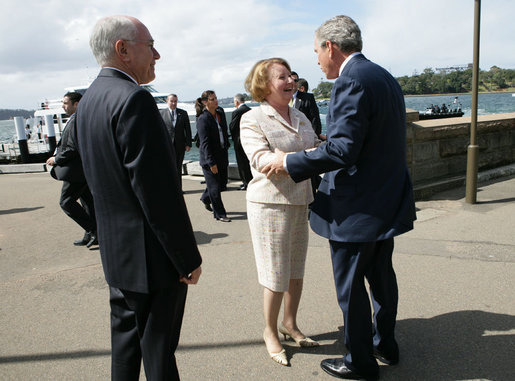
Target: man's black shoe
{"type": "Point", "coordinates": [84, 241]}
{"type": "Point", "coordinates": [207, 205]}
{"type": "Point", "coordinates": [243, 187]}
{"type": "Point", "coordinates": [385, 358]}
{"type": "Point", "coordinates": [93, 240]}
{"type": "Point", "coordinates": [337, 368]}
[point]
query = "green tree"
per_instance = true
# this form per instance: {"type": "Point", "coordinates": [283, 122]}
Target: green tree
{"type": "Point", "coordinates": [323, 90]}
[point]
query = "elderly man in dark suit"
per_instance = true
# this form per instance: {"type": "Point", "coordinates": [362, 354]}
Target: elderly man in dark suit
{"type": "Point", "coordinates": [67, 167]}
{"type": "Point", "coordinates": [365, 198]}
{"type": "Point", "coordinates": [147, 246]}
{"type": "Point", "coordinates": [234, 128]}
{"type": "Point", "coordinates": [177, 123]}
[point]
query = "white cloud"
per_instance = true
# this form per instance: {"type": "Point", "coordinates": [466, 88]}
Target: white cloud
{"type": "Point", "coordinates": [213, 45]}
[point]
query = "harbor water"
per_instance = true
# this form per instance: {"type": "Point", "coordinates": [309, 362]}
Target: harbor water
{"type": "Point", "coordinates": [488, 103]}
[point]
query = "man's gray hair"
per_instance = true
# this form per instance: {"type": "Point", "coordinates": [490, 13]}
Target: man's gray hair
{"type": "Point", "coordinates": [240, 98]}
{"type": "Point", "coordinates": [106, 32]}
{"type": "Point", "coordinates": [342, 31]}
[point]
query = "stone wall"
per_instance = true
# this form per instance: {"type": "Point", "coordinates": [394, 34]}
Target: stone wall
{"type": "Point", "coordinates": [437, 149]}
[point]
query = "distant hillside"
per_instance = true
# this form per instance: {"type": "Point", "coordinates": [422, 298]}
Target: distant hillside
{"type": "Point", "coordinates": [8, 114]}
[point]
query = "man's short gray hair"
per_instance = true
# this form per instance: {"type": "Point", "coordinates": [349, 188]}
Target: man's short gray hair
{"type": "Point", "coordinates": [342, 31]}
{"type": "Point", "coordinates": [106, 32]}
{"type": "Point", "coordinates": [240, 98]}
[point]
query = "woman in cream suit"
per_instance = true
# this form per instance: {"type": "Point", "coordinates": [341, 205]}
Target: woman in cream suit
{"type": "Point", "coordinates": [277, 208]}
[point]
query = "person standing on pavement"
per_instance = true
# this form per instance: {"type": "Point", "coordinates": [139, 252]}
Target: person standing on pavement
{"type": "Point", "coordinates": [67, 167]}
{"type": "Point", "coordinates": [234, 127]}
{"type": "Point", "coordinates": [213, 153]}
{"type": "Point", "coordinates": [305, 102]}
{"type": "Point", "coordinates": [178, 126]}
{"type": "Point", "coordinates": [365, 198]}
{"type": "Point", "coordinates": [148, 249]}
{"type": "Point", "coordinates": [277, 209]}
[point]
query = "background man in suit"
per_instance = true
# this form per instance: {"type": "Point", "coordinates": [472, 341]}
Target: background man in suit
{"type": "Point", "coordinates": [67, 167]}
{"type": "Point", "coordinates": [234, 128]}
{"type": "Point", "coordinates": [306, 103]}
{"type": "Point", "coordinates": [148, 250]}
{"type": "Point", "coordinates": [365, 198]}
{"type": "Point", "coordinates": [303, 85]}
{"type": "Point", "coordinates": [223, 168]}
{"type": "Point", "coordinates": [178, 125]}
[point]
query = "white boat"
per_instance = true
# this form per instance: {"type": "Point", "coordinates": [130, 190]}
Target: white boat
{"type": "Point", "coordinates": [54, 107]}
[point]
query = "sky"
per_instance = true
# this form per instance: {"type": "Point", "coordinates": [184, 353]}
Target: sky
{"type": "Point", "coordinates": [207, 44]}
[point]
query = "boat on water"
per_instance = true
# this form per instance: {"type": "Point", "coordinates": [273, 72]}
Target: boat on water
{"type": "Point", "coordinates": [54, 107]}
{"type": "Point", "coordinates": [452, 110]}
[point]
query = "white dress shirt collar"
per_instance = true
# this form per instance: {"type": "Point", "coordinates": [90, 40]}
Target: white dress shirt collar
{"type": "Point", "coordinates": [121, 71]}
{"type": "Point", "coordinates": [347, 61]}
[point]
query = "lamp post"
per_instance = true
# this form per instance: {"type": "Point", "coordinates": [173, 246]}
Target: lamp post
{"type": "Point", "coordinates": [473, 148]}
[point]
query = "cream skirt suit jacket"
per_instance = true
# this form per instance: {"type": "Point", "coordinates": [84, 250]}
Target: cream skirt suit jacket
{"type": "Point", "coordinates": [277, 208]}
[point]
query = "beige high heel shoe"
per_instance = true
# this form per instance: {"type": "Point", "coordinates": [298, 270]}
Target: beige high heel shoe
{"type": "Point", "coordinates": [279, 357]}
{"type": "Point", "coordinates": [305, 342]}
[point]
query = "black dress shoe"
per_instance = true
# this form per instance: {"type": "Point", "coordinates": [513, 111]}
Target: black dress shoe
{"type": "Point", "coordinates": [243, 187]}
{"type": "Point", "coordinates": [93, 240]}
{"type": "Point", "coordinates": [337, 368]}
{"type": "Point", "coordinates": [84, 241]}
{"type": "Point", "coordinates": [207, 205]}
{"type": "Point", "coordinates": [223, 219]}
{"type": "Point", "coordinates": [386, 358]}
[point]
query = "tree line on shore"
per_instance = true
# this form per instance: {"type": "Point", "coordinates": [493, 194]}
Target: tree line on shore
{"type": "Point", "coordinates": [9, 113]}
{"type": "Point", "coordinates": [431, 82]}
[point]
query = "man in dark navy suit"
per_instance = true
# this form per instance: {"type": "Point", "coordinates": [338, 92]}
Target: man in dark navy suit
{"type": "Point", "coordinates": [177, 123]}
{"type": "Point", "coordinates": [148, 250]}
{"type": "Point", "coordinates": [365, 198]}
{"type": "Point", "coordinates": [234, 127]}
{"type": "Point", "coordinates": [67, 167]}
{"type": "Point", "coordinates": [305, 102]}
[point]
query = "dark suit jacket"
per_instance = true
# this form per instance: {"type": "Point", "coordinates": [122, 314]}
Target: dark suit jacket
{"type": "Point", "coordinates": [68, 165]}
{"type": "Point", "coordinates": [211, 151]}
{"type": "Point", "coordinates": [306, 103]}
{"type": "Point", "coordinates": [366, 193]}
{"type": "Point", "coordinates": [182, 130]}
{"type": "Point", "coordinates": [234, 126]}
{"type": "Point", "coordinates": [145, 235]}
{"type": "Point", "coordinates": [223, 124]}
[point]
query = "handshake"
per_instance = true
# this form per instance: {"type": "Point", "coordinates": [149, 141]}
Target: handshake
{"type": "Point", "coordinates": [275, 167]}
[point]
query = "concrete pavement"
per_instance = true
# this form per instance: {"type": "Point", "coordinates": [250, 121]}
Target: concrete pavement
{"type": "Point", "coordinates": [456, 274]}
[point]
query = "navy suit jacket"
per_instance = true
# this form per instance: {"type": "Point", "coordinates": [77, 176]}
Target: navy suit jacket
{"type": "Point", "coordinates": [234, 126]}
{"type": "Point", "coordinates": [366, 193]}
{"type": "Point", "coordinates": [211, 152]}
{"type": "Point", "coordinates": [182, 129]}
{"type": "Point", "coordinates": [68, 166]}
{"type": "Point", "coordinates": [145, 235]}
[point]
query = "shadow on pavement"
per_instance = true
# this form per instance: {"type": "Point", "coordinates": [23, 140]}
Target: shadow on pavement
{"type": "Point", "coordinates": [204, 238]}
{"type": "Point", "coordinates": [20, 210]}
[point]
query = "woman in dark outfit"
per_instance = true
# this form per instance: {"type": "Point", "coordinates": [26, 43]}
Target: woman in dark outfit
{"type": "Point", "coordinates": [213, 156]}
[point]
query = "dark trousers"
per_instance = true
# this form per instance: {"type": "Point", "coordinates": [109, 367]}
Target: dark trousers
{"type": "Point", "coordinates": [179, 157]}
{"type": "Point", "coordinates": [243, 164]}
{"type": "Point", "coordinates": [223, 169]}
{"type": "Point", "coordinates": [212, 193]}
{"type": "Point", "coordinates": [83, 214]}
{"type": "Point", "coordinates": [352, 263]}
{"type": "Point", "coordinates": [146, 326]}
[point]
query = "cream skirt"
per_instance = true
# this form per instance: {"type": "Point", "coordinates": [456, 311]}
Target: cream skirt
{"type": "Point", "coordinates": [280, 240]}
